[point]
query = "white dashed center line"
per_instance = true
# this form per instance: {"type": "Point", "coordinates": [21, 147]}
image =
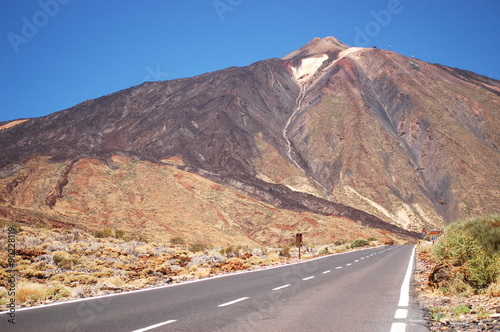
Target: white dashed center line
{"type": "Point", "coordinates": [308, 278]}
{"type": "Point", "coordinates": [232, 302]}
{"type": "Point", "coordinates": [327, 271]}
{"type": "Point", "coordinates": [155, 326]}
{"type": "Point", "coordinates": [348, 264]}
{"type": "Point", "coordinates": [281, 287]}
{"type": "Point", "coordinates": [338, 267]}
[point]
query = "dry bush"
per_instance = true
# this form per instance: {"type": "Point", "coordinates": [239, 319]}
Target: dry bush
{"type": "Point", "coordinates": [29, 291]}
{"type": "Point", "coordinates": [29, 273]}
{"type": "Point", "coordinates": [273, 256]}
{"type": "Point", "coordinates": [56, 291]}
{"type": "Point", "coordinates": [494, 289]}
{"type": "Point", "coordinates": [202, 273]}
{"type": "Point", "coordinates": [64, 260]}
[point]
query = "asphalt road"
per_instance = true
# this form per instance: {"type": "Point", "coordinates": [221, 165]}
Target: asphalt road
{"type": "Point", "coordinates": [356, 291]}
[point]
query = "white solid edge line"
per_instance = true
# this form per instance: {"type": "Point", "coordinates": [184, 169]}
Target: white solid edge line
{"type": "Point", "coordinates": [232, 302]}
{"type": "Point", "coordinates": [155, 326]}
{"type": "Point", "coordinates": [308, 278]}
{"type": "Point", "coordinates": [179, 284]}
{"type": "Point", "coordinates": [398, 327]}
{"type": "Point", "coordinates": [401, 314]}
{"type": "Point", "coordinates": [327, 271]}
{"type": "Point", "coordinates": [281, 287]}
{"type": "Point", "coordinates": [404, 297]}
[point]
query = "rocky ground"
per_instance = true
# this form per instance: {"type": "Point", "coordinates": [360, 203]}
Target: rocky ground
{"type": "Point", "coordinates": [454, 313]}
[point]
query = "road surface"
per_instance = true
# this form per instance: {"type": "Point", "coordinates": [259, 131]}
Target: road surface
{"type": "Point", "coordinates": [364, 290]}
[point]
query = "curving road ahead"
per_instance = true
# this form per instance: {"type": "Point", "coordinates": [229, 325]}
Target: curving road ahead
{"type": "Point", "coordinates": [364, 290]}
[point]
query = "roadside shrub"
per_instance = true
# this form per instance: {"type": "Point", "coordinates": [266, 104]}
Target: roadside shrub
{"type": "Point", "coordinates": [285, 251]}
{"type": "Point", "coordinates": [359, 243]}
{"type": "Point", "coordinates": [56, 291]}
{"type": "Point", "coordinates": [231, 251]}
{"type": "Point", "coordinates": [323, 251]}
{"type": "Point", "coordinates": [340, 242]}
{"type": "Point", "coordinates": [460, 310]}
{"type": "Point", "coordinates": [484, 230]}
{"type": "Point", "coordinates": [27, 291]}
{"type": "Point", "coordinates": [467, 255]}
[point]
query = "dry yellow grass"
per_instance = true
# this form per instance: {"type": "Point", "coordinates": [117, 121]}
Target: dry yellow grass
{"type": "Point", "coordinates": [29, 291]}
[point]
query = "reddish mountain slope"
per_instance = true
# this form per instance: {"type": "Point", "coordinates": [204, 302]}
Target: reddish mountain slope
{"type": "Point", "coordinates": [362, 134]}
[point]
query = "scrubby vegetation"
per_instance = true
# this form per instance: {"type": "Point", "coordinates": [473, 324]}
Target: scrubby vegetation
{"type": "Point", "coordinates": [467, 257]}
{"type": "Point", "coordinates": [62, 263]}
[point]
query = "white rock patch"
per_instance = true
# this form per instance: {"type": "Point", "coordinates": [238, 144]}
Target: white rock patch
{"type": "Point", "coordinates": [308, 67]}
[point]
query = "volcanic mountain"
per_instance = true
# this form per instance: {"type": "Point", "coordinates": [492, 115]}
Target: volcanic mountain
{"type": "Point", "coordinates": [330, 140]}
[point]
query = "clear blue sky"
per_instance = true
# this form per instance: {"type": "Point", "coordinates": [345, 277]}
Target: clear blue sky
{"type": "Point", "coordinates": [57, 53]}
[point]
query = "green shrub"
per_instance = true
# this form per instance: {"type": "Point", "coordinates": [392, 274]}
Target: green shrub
{"type": "Point", "coordinates": [56, 291]}
{"type": "Point", "coordinates": [485, 231]}
{"type": "Point", "coordinates": [119, 233]}
{"type": "Point", "coordinates": [456, 248]}
{"type": "Point", "coordinates": [324, 251]}
{"type": "Point", "coordinates": [103, 233]}
{"type": "Point", "coordinates": [198, 246]}
{"type": "Point", "coordinates": [285, 251]}
{"type": "Point", "coordinates": [177, 241]}
{"type": "Point", "coordinates": [468, 255]}
{"type": "Point", "coordinates": [64, 260]}
{"type": "Point", "coordinates": [340, 242]}
{"type": "Point", "coordinates": [359, 243]}
{"type": "Point", "coordinates": [460, 310]}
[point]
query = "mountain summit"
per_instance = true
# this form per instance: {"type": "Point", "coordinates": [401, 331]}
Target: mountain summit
{"type": "Point", "coordinates": [318, 46]}
{"type": "Point", "coordinates": [327, 138]}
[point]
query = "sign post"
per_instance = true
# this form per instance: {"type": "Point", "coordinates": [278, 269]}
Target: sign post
{"type": "Point", "coordinates": [298, 241]}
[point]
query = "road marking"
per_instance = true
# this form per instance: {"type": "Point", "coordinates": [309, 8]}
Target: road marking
{"type": "Point", "coordinates": [232, 302]}
{"type": "Point", "coordinates": [327, 271]}
{"type": "Point", "coordinates": [401, 314]}
{"type": "Point", "coordinates": [281, 287]}
{"type": "Point", "coordinates": [308, 278]}
{"type": "Point", "coordinates": [404, 296]}
{"type": "Point", "coordinates": [348, 264]}
{"type": "Point", "coordinates": [338, 267]}
{"type": "Point", "coordinates": [155, 326]}
{"type": "Point", "coordinates": [357, 260]}
{"type": "Point", "coordinates": [362, 258]}
{"type": "Point", "coordinates": [398, 327]}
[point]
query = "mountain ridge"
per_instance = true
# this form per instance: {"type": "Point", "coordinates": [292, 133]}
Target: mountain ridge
{"type": "Point", "coordinates": [360, 127]}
